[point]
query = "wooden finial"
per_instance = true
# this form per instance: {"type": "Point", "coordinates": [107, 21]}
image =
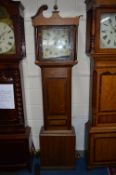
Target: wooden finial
{"type": "Point", "coordinates": [55, 6]}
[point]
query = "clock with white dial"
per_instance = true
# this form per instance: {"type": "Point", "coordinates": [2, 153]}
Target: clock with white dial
{"type": "Point", "coordinates": [56, 42]}
{"type": "Point", "coordinates": [7, 40]}
{"type": "Point", "coordinates": [108, 31]}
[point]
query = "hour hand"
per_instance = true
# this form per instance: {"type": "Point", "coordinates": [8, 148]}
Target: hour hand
{"type": "Point", "coordinates": [2, 34]}
{"type": "Point", "coordinates": [110, 21]}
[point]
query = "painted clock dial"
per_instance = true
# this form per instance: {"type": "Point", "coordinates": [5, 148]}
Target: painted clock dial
{"type": "Point", "coordinates": [7, 40]}
{"type": "Point", "coordinates": [56, 42]}
{"type": "Point", "coordinates": [108, 30]}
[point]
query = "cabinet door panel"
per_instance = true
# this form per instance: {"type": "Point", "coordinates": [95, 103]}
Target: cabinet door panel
{"type": "Point", "coordinates": [102, 147]}
{"type": "Point", "coordinates": [104, 96]}
{"type": "Point", "coordinates": [108, 93]}
{"type": "Point", "coordinates": [57, 97]}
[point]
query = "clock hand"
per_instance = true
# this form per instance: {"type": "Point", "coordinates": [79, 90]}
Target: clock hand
{"type": "Point", "coordinates": [110, 21]}
{"type": "Point", "coordinates": [2, 34]}
{"type": "Point", "coordinates": [114, 29]}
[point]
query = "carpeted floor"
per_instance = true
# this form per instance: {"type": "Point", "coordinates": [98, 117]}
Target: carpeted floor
{"type": "Point", "coordinates": [80, 169]}
{"type": "Point", "coordinates": [112, 171]}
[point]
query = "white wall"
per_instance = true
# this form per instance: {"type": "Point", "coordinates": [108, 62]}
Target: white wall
{"type": "Point", "coordinates": [32, 73]}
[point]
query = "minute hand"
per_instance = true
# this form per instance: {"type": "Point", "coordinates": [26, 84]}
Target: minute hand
{"type": "Point", "coordinates": [2, 34]}
{"type": "Point", "coordinates": [110, 21]}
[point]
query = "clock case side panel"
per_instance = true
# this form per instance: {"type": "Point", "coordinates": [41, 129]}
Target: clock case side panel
{"type": "Point", "coordinates": [15, 12]}
{"type": "Point", "coordinates": [90, 31]}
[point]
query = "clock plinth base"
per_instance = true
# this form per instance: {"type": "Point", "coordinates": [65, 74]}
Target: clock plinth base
{"type": "Point", "coordinates": [57, 149]}
{"type": "Point", "coordinates": [102, 147]}
{"type": "Point", "coordinates": [15, 150]}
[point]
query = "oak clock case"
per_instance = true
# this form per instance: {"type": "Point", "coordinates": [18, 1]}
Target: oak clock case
{"type": "Point", "coordinates": [55, 46]}
{"type": "Point", "coordinates": [14, 134]}
{"type": "Point", "coordinates": [101, 48]}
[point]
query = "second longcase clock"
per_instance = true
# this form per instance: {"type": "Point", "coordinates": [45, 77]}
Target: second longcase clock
{"type": "Point", "coordinates": [15, 135]}
{"type": "Point", "coordinates": [101, 48]}
{"type": "Point", "coordinates": [55, 44]}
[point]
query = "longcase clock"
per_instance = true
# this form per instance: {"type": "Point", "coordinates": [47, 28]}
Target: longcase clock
{"type": "Point", "coordinates": [55, 45]}
{"type": "Point", "coordinates": [101, 48]}
{"type": "Point", "coordinates": [14, 134]}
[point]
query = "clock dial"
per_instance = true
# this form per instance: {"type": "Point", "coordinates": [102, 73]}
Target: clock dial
{"type": "Point", "coordinates": [6, 38]}
{"type": "Point", "coordinates": [56, 43]}
{"type": "Point", "coordinates": [108, 30]}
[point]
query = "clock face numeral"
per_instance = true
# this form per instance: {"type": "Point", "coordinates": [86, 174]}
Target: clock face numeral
{"type": "Point", "coordinates": [115, 43]}
{"type": "Point", "coordinates": [6, 38]}
{"type": "Point", "coordinates": [105, 37]}
{"type": "Point", "coordinates": [108, 30]}
{"type": "Point", "coordinates": [103, 31]}
{"type": "Point", "coordinates": [110, 20]}
{"type": "Point", "coordinates": [109, 41]}
{"type": "Point", "coordinates": [105, 24]}
{"type": "Point", "coordinates": [9, 43]}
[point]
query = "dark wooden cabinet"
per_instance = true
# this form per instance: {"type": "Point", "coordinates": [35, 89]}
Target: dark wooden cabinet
{"type": "Point", "coordinates": [12, 120]}
{"type": "Point", "coordinates": [101, 49]}
{"type": "Point", "coordinates": [15, 136]}
{"type": "Point", "coordinates": [102, 146]}
{"type": "Point", "coordinates": [15, 150]}
{"type": "Point", "coordinates": [56, 43]}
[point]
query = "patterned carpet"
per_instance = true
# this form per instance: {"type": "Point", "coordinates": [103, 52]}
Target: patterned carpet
{"type": "Point", "coordinates": [112, 171]}
{"type": "Point", "coordinates": [80, 169]}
